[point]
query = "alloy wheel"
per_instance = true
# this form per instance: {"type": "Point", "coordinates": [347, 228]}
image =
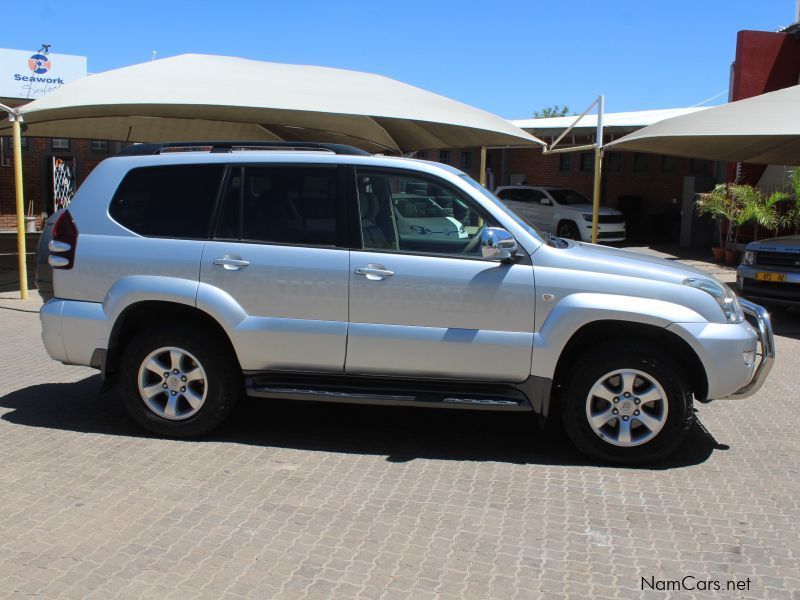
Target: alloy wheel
{"type": "Point", "coordinates": [626, 407]}
{"type": "Point", "coordinates": [172, 383]}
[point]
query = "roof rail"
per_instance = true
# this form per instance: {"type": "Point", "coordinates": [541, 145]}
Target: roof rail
{"type": "Point", "coordinates": [159, 148]}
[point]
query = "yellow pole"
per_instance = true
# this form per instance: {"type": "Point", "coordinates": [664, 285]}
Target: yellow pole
{"type": "Point", "coordinates": [23, 265]}
{"type": "Point", "coordinates": [483, 166]}
{"type": "Point", "coordinates": [598, 172]}
{"type": "Point", "coordinates": [598, 165]}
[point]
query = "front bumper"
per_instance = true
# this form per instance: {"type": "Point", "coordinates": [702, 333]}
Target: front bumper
{"type": "Point", "coordinates": [736, 357]}
{"type": "Point", "coordinates": [606, 232]}
{"type": "Point", "coordinates": [786, 293]}
{"type": "Point", "coordinates": [766, 342]}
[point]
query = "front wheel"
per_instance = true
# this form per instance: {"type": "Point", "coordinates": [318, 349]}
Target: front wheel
{"type": "Point", "coordinates": [568, 230]}
{"type": "Point", "coordinates": [178, 382]}
{"type": "Point", "coordinates": [628, 403]}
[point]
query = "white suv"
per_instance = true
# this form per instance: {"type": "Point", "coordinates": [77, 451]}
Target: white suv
{"type": "Point", "coordinates": [562, 211]}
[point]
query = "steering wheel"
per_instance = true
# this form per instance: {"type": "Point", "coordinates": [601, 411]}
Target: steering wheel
{"type": "Point", "coordinates": [474, 242]}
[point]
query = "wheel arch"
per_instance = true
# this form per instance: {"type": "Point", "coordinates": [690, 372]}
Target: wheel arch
{"type": "Point", "coordinates": [139, 316]}
{"type": "Point", "coordinates": [606, 331]}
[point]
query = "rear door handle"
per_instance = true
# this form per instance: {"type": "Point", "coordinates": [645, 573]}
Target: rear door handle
{"type": "Point", "coordinates": [374, 272]}
{"type": "Point", "coordinates": [231, 263]}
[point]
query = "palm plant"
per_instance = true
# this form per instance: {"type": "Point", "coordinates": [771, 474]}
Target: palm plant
{"type": "Point", "coordinates": [792, 217]}
{"type": "Point", "coordinates": [752, 205]}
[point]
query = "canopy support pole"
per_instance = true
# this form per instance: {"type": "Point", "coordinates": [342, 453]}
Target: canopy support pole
{"type": "Point", "coordinates": [597, 147]}
{"type": "Point", "coordinates": [598, 173]}
{"type": "Point", "coordinates": [483, 166]}
{"type": "Point", "coordinates": [16, 118]}
{"type": "Point", "coordinates": [598, 168]}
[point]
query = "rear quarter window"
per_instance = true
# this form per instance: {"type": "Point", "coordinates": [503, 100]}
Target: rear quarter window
{"type": "Point", "coordinates": [175, 201]}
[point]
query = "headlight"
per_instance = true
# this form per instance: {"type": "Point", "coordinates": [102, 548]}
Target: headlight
{"type": "Point", "coordinates": [587, 217]}
{"type": "Point", "coordinates": [749, 258]}
{"type": "Point", "coordinates": [724, 296]}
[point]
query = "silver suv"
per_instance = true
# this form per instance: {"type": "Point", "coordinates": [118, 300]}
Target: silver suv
{"type": "Point", "coordinates": [305, 271]}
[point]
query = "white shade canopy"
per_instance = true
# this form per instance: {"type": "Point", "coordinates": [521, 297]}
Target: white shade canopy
{"type": "Point", "coordinates": [764, 129]}
{"type": "Point", "coordinates": [195, 97]}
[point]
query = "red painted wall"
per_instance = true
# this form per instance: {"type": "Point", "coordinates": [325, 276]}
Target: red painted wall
{"type": "Point", "coordinates": [765, 61]}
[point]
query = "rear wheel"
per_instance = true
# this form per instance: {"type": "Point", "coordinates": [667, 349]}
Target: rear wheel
{"type": "Point", "coordinates": [178, 382]}
{"type": "Point", "coordinates": [627, 404]}
{"type": "Point", "coordinates": [568, 230]}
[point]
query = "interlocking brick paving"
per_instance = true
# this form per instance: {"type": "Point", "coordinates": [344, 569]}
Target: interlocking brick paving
{"type": "Point", "coordinates": [320, 501]}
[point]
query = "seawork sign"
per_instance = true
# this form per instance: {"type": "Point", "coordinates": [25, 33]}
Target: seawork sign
{"type": "Point", "coordinates": [29, 75]}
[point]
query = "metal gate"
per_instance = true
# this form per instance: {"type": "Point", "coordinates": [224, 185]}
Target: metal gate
{"type": "Point", "coordinates": [63, 182]}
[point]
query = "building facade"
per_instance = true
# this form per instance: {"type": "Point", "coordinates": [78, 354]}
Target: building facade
{"type": "Point", "coordinates": [50, 167]}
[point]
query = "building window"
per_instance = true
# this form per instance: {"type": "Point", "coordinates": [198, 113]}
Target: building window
{"type": "Point", "coordinates": [639, 162]}
{"type": "Point", "coordinates": [587, 161]}
{"type": "Point", "coordinates": [99, 147]}
{"type": "Point", "coordinates": [613, 162]}
{"type": "Point", "coordinates": [565, 162]}
{"type": "Point", "coordinates": [667, 164]}
{"type": "Point", "coordinates": [59, 144]}
{"type": "Point", "coordinates": [699, 166]}
{"type": "Point", "coordinates": [444, 156]}
{"type": "Point", "coordinates": [10, 144]}
{"type": "Point", "coordinates": [422, 154]}
{"type": "Point", "coordinates": [466, 160]}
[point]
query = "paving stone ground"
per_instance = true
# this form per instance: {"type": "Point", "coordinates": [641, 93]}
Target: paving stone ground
{"type": "Point", "coordinates": [306, 501]}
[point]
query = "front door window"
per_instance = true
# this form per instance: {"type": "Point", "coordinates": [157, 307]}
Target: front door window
{"type": "Point", "coordinates": [410, 213]}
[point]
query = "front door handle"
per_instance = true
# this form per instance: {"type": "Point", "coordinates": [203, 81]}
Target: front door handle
{"type": "Point", "coordinates": [231, 263]}
{"type": "Point", "coordinates": [374, 272]}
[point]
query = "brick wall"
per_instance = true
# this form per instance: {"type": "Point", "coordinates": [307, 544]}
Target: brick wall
{"type": "Point", "coordinates": [37, 177]}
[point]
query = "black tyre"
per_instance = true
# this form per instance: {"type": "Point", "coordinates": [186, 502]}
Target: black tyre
{"type": "Point", "coordinates": [179, 381]}
{"type": "Point", "coordinates": [627, 403]}
{"type": "Point", "coordinates": [568, 230]}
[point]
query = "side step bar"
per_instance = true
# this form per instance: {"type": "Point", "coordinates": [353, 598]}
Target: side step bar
{"type": "Point", "coordinates": [369, 392]}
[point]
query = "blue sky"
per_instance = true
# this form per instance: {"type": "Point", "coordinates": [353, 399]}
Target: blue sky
{"type": "Point", "coordinates": [504, 56]}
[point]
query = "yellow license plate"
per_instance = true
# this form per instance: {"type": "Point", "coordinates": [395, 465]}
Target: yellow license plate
{"type": "Point", "coordinates": [771, 276]}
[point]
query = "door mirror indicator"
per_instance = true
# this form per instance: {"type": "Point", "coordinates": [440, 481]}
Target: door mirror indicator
{"type": "Point", "coordinates": [498, 244]}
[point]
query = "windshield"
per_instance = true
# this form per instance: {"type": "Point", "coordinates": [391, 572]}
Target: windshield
{"type": "Point", "coordinates": [499, 204]}
{"type": "Point", "coordinates": [567, 196]}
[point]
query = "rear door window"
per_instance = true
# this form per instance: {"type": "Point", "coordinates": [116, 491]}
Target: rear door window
{"type": "Point", "coordinates": [282, 205]}
{"type": "Point", "coordinates": [173, 201]}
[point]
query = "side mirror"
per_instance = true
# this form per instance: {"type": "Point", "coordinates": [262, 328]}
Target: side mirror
{"type": "Point", "coordinates": [497, 244]}
{"type": "Point", "coordinates": [545, 201]}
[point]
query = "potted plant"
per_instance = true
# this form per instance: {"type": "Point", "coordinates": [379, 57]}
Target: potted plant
{"type": "Point", "coordinates": [719, 205]}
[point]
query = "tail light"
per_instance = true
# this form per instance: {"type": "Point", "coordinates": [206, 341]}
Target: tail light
{"type": "Point", "coordinates": [63, 243]}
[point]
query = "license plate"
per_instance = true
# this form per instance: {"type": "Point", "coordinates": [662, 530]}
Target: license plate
{"type": "Point", "coordinates": [771, 276]}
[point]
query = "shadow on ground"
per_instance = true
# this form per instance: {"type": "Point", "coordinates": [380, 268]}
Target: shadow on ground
{"type": "Point", "coordinates": [786, 322]}
{"type": "Point", "coordinates": [401, 434]}
{"type": "Point", "coordinates": [9, 273]}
